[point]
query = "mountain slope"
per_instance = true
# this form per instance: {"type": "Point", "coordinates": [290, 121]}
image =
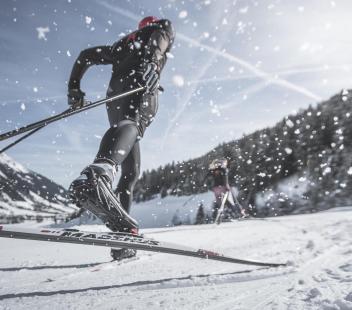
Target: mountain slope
{"type": "Point", "coordinates": [312, 146]}
{"type": "Point", "coordinates": [24, 192]}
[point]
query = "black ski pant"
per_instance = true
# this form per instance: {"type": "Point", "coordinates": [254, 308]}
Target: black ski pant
{"type": "Point", "coordinates": [128, 119]}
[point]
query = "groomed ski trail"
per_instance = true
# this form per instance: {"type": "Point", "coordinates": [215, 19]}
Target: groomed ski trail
{"type": "Point", "coordinates": [320, 275]}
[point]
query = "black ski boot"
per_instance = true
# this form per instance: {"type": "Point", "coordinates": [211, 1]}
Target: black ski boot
{"type": "Point", "coordinates": [92, 190]}
{"type": "Point", "coordinates": [120, 254]}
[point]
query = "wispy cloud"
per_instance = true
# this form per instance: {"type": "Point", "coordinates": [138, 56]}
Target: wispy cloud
{"type": "Point", "coordinates": [286, 72]}
{"type": "Point", "coordinates": [218, 52]}
{"type": "Point", "coordinates": [120, 10]}
{"type": "Point", "coordinates": [272, 79]}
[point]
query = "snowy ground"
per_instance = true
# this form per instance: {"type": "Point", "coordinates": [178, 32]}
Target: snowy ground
{"type": "Point", "coordinates": [39, 275]}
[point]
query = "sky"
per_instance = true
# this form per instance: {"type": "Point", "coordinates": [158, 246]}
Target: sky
{"type": "Point", "coordinates": [236, 66]}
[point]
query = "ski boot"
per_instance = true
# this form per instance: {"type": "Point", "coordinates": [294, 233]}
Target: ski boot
{"type": "Point", "coordinates": [92, 190]}
{"type": "Point", "coordinates": [120, 254]}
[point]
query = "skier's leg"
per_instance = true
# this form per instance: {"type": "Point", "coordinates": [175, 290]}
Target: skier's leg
{"type": "Point", "coordinates": [93, 189]}
{"type": "Point", "coordinates": [216, 207]}
{"type": "Point", "coordinates": [231, 206]}
{"type": "Point", "coordinates": [118, 142]}
{"type": "Point", "coordinates": [130, 169]}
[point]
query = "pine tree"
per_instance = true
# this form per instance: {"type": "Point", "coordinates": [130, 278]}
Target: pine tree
{"type": "Point", "coordinates": [200, 217]}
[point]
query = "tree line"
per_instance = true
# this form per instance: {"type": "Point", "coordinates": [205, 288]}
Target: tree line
{"type": "Point", "coordinates": [313, 145]}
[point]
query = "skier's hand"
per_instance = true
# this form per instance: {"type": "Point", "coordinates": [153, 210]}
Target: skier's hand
{"type": "Point", "coordinates": [151, 77]}
{"type": "Point", "coordinates": [75, 98]}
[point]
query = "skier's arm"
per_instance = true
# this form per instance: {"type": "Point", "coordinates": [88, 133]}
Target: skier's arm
{"type": "Point", "coordinates": [159, 43]}
{"type": "Point", "coordinates": [99, 55]}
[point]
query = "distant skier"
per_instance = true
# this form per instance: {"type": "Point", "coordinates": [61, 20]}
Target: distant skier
{"type": "Point", "coordinates": [137, 59]}
{"type": "Point", "coordinates": [218, 172]}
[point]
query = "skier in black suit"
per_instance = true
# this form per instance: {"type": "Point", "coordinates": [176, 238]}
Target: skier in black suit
{"type": "Point", "coordinates": [137, 60]}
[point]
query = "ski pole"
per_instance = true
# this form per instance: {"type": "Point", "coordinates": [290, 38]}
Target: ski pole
{"type": "Point", "coordinates": [20, 139]}
{"type": "Point", "coordinates": [26, 136]}
{"type": "Point", "coordinates": [70, 112]}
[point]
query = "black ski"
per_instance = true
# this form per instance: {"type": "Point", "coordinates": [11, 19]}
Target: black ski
{"type": "Point", "coordinates": [120, 240]}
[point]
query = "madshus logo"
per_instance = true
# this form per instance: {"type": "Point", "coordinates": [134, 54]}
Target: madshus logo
{"type": "Point", "coordinates": [103, 236]}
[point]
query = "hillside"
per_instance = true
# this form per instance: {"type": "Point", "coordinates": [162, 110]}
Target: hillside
{"type": "Point", "coordinates": [302, 164]}
{"type": "Point", "coordinates": [26, 193]}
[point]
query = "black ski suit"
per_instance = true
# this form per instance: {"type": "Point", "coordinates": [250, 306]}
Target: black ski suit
{"type": "Point", "coordinates": [129, 117]}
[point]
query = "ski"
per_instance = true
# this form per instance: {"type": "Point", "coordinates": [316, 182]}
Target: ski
{"type": "Point", "coordinates": [120, 240]}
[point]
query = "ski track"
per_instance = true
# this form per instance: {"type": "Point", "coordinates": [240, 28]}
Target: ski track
{"type": "Point", "coordinates": [39, 275]}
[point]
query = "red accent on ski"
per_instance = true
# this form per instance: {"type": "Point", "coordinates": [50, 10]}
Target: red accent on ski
{"type": "Point", "coordinates": [134, 231]}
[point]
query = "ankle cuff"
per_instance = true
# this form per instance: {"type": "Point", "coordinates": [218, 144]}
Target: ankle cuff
{"type": "Point", "coordinates": [103, 160]}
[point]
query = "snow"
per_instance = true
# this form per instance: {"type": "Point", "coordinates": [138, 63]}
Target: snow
{"type": "Point", "coordinates": [2, 175]}
{"type": "Point", "coordinates": [88, 20]}
{"type": "Point", "coordinates": [183, 14]}
{"type": "Point", "coordinates": [159, 212]}
{"type": "Point", "coordinates": [29, 207]}
{"type": "Point", "coordinates": [12, 164]}
{"type": "Point", "coordinates": [42, 31]}
{"type": "Point", "coordinates": [178, 80]}
{"type": "Point", "coordinates": [39, 275]}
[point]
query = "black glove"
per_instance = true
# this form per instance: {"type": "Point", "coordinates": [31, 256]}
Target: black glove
{"type": "Point", "coordinates": [151, 77]}
{"type": "Point", "coordinates": [75, 98]}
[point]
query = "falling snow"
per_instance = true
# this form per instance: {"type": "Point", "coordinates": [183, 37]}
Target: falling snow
{"type": "Point", "coordinates": [42, 32]}
{"type": "Point", "coordinates": [183, 14]}
{"type": "Point", "coordinates": [178, 80]}
{"type": "Point", "coordinates": [88, 20]}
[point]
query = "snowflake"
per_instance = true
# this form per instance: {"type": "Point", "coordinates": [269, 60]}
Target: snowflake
{"type": "Point", "coordinates": [178, 80]}
{"type": "Point", "coordinates": [88, 20]}
{"type": "Point", "coordinates": [289, 123]}
{"type": "Point", "coordinates": [42, 32]}
{"type": "Point", "coordinates": [288, 150]}
{"type": "Point", "coordinates": [183, 14]}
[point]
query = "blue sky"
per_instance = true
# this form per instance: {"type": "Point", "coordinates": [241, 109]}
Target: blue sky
{"type": "Point", "coordinates": [236, 66]}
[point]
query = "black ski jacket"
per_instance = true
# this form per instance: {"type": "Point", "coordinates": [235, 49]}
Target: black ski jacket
{"type": "Point", "coordinates": [218, 177]}
{"type": "Point", "coordinates": [128, 56]}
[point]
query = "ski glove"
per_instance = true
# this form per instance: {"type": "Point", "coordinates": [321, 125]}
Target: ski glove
{"type": "Point", "coordinates": [151, 77]}
{"type": "Point", "coordinates": [75, 98]}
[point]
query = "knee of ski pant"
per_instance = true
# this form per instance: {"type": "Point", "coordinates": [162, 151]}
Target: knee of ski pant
{"type": "Point", "coordinates": [118, 141]}
{"type": "Point", "coordinates": [123, 125]}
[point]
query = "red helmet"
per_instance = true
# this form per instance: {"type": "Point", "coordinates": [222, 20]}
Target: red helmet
{"type": "Point", "coordinates": [146, 21]}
